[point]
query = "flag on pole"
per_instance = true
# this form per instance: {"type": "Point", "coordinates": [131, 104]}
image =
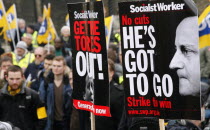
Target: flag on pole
{"type": "Point", "coordinates": [2, 14]}
{"type": "Point", "coordinates": [11, 22]}
{"type": "Point", "coordinates": [11, 18]}
{"type": "Point", "coordinates": [43, 31]}
{"type": "Point", "coordinates": [47, 31]}
{"type": "Point", "coordinates": [52, 27]}
{"type": "Point", "coordinates": [108, 28]}
{"type": "Point", "coordinates": [67, 20]}
{"type": "Point", "coordinates": [204, 28]}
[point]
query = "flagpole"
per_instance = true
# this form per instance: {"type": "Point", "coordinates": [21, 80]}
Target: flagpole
{"type": "Point", "coordinates": [45, 7]}
{"type": "Point", "coordinates": [48, 43]}
{"type": "Point", "coordinates": [13, 42]}
{"type": "Point", "coordinates": [18, 35]}
{"type": "Point", "coordinates": [48, 46]}
{"type": "Point", "coordinates": [49, 6]}
{"type": "Point", "coordinates": [109, 31]}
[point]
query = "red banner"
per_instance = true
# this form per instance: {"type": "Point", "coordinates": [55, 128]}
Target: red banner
{"type": "Point", "coordinates": [95, 109]}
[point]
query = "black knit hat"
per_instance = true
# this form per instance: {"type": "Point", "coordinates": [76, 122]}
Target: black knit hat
{"type": "Point", "coordinates": [31, 26]}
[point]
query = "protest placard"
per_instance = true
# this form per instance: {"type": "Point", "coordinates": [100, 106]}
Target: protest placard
{"type": "Point", "coordinates": [90, 68]}
{"type": "Point", "coordinates": [160, 59]}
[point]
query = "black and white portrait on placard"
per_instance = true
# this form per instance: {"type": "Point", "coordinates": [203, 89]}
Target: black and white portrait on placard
{"type": "Point", "coordinates": [186, 58]}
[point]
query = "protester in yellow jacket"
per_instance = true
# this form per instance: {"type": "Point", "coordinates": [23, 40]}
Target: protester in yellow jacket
{"type": "Point", "coordinates": [21, 56]}
{"type": "Point", "coordinates": [31, 30]}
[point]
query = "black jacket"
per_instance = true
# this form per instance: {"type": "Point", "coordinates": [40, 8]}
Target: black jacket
{"type": "Point", "coordinates": [33, 69]}
{"type": "Point", "coordinates": [181, 125]}
{"type": "Point", "coordinates": [116, 109]}
{"type": "Point", "coordinates": [138, 123]}
{"type": "Point", "coordinates": [21, 109]}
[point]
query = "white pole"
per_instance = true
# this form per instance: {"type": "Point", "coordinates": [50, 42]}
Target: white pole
{"type": "Point", "coordinates": [18, 35]}
{"type": "Point", "coordinates": [92, 117]}
{"type": "Point", "coordinates": [13, 41]}
{"type": "Point", "coordinates": [109, 31]}
{"type": "Point", "coordinates": [48, 44]}
{"type": "Point", "coordinates": [161, 124]}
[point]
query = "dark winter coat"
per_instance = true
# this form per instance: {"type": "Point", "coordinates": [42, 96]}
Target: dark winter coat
{"type": "Point", "coordinates": [46, 92]}
{"type": "Point", "coordinates": [116, 109]}
{"type": "Point", "coordinates": [21, 109]}
{"type": "Point", "coordinates": [33, 69]}
{"type": "Point", "coordinates": [138, 123]}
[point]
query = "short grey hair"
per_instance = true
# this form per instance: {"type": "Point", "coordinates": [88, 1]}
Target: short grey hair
{"type": "Point", "coordinates": [65, 28]}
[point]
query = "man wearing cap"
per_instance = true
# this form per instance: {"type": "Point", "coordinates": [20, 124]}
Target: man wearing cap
{"type": "Point", "coordinates": [21, 56]}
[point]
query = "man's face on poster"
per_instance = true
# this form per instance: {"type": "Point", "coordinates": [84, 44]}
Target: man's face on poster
{"type": "Point", "coordinates": [88, 95]}
{"type": "Point", "coordinates": [186, 59]}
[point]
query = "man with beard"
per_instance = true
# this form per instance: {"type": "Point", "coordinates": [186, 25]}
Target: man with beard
{"type": "Point", "coordinates": [22, 57]}
{"type": "Point", "coordinates": [20, 105]}
{"type": "Point", "coordinates": [33, 68]}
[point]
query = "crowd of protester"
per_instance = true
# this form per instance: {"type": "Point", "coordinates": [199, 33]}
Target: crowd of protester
{"type": "Point", "coordinates": [36, 84]}
{"type": "Point", "coordinates": [34, 80]}
{"type": "Point", "coordinates": [36, 87]}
